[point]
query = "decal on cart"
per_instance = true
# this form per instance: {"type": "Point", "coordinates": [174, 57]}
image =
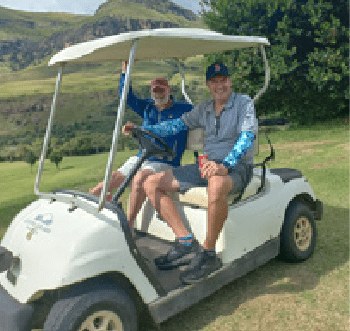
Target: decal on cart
{"type": "Point", "coordinates": [40, 222]}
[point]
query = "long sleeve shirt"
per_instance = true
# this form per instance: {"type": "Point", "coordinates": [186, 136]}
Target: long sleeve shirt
{"type": "Point", "coordinates": [150, 115]}
{"type": "Point", "coordinates": [228, 137]}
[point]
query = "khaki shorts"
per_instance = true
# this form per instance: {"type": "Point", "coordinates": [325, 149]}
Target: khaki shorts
{"type": "Point", "coordinates": [151, 165]}
{"type": "Point", "coordinates": [189, 176]}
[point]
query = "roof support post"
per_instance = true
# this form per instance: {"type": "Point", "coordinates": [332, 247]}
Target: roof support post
{"type": "Point", "coordinates": [267, 74]}
{"type": "Point", "coordinates": [48, 132]}
{"type": "Point", "coordinates": [117, 128]}
{"type": "Point", "coordinates": [259, 94]}
{"type": "Point", "coordinates": [183, 85]}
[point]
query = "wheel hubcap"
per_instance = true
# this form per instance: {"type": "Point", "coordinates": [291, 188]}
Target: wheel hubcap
{"type": "Point", "coordinates": [302, 233]}
{"type": "Point", "coordinates": [102, 321]}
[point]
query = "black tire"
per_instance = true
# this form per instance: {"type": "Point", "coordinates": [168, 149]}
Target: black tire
{"type": "Point", "coordinates": [106, 303]}
{"type": "Point", "coordinates": [298, 235]}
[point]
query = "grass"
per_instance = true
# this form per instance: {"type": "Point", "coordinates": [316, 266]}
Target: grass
{"type": "Point", "coordinates": [311, 296]}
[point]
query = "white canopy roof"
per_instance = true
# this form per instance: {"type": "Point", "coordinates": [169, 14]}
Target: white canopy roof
{"type": "Point", "coordinates": [154, 44]}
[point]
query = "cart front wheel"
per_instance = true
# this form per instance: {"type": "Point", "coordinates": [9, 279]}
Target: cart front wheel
{"type": "Point", "coordinates": [102, 320]}
{"type": "Point", "coordinates": [298, 234]}
{"type": "Point", "coordinates": [101, 308]}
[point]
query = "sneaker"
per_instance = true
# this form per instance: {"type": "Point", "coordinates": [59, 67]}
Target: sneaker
{"type": "Point", "coordinates": [177, 256]}
{"type": "Point", "coordinates": [201, 266]}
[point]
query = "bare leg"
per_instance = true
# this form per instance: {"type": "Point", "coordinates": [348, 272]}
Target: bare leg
{"type": "Point", "coordinates": [218, 189]}
{"type": "Point", "coordinates": [157, 186]}
{"type": "Point", "coordinates": [116, 180]}
{"type": "Point", "coordinates": [137, 195]}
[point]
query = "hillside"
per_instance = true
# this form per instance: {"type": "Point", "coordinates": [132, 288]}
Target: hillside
{"type": "Point", "coordinates": [88, 97]}
{"type": "Point", "coordinates": [28, 38]}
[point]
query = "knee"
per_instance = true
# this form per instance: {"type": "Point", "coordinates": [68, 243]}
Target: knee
{"type": "Point", "coordinates": [152, 183]}
{"type": "Point", "coordinates": [140, 179]}
{"type": "Point", "coordinates": [218, 188]}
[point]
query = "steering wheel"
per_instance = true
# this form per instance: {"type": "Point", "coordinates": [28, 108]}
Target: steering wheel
{"type": "Point", "coordinates": [153, 144]}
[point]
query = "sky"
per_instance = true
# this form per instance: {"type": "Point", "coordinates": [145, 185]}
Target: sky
{"type": "Point", "coordinates": [75, 6]}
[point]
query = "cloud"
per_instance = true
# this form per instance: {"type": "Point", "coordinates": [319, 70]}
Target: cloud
{"type": "Point", "coordinates": [192, 5]}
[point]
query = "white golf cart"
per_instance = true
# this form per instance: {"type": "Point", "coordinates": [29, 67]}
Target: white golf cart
{"type": "Point", "coordinates": [69, 261]}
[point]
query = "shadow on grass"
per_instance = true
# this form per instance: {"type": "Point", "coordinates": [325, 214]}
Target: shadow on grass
{"type": "Point", "coordinates": [67, 168]}
{"type": "Point", "coordinates": [274, 278]}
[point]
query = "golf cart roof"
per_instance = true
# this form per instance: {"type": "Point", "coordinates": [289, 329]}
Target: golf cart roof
{"type": "Point", "coordinates": [154, 44]}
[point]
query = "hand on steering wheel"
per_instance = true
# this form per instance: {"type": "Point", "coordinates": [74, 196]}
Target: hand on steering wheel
{"type": "Point", "coordinates": [156, 145]}
{"type": "Point", "coordinates": [127, 128]}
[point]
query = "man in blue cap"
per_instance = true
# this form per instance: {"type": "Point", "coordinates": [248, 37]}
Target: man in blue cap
{"type": "Point", "coordinates": [228, 121]}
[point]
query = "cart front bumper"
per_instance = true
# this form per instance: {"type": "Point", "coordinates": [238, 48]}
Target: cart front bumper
{"type": "Point", "coordinates": [14, 316]}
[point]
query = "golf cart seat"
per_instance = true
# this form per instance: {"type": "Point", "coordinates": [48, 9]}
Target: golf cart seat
{"type": "Point", "coordinates": [198, 196]}
{"type": "Point", "coordinates": [192, 205]}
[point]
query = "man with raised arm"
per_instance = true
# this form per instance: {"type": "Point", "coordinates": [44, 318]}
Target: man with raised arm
{"type": "Point", "coordinates": [229, 125]}
{"type": "Point", "coordinates": [160, 107]}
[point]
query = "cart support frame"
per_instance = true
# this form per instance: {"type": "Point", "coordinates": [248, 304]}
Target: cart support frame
{"type": "Point", "coordinates": [48, 132]}
{"type": "Point", "coordinates": [118, 125]}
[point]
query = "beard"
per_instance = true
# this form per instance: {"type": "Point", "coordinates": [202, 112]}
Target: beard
{"type": "Point", "coordinates": [160, 101]}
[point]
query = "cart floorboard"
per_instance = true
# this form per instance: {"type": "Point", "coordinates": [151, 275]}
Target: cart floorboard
{"type": "Point", "coordinates": [151, 247]}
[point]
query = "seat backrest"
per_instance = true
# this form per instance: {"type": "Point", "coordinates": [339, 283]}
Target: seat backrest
{"type": "Point", "coordinates": [195, 139]}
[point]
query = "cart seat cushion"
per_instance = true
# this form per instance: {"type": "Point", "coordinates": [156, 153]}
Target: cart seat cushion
{"type": "Point", "coordinates": [198, 196]}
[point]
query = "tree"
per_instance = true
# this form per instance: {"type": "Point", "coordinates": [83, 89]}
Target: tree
{"type": "Point", "coordinates": [21, 151]}
{"type": "Point", "coordinates": [56, 157]}
{"type": "Point", "coordinates": [8, 153]}
{"type": "Point", "coordinates": [100, 142]}
{"type": "Point", "coordinates": [308, 54]}
{"type": "Point", "coordinates": [31, 159]}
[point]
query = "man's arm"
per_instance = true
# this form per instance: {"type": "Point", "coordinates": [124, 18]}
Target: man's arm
{"type": "Point", "coordinates": [244, 142]}
{"type": "Point", "coordinates": [246, 138]}
{"type": "Point", "coordinates": [189, 120]}
{"type": "Point", "coordinates": [136, 104]}
{"type": "Point", "coordinates": [211, 168]}
{"type": "Point", "coordinates": [167, 128]}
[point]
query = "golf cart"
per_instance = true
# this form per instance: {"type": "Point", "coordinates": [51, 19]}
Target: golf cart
{"type": "Point", "coordinates": [70, 262]}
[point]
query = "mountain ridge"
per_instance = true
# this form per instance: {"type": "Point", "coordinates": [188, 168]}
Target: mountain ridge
{"type": "Point", "coordinates": [163, 6]}
{"type": "Point", "coordinates": [28, 38]}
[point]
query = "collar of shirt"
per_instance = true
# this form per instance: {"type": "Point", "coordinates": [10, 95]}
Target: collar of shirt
{"type": "Point", "coordinates": [228, 105]}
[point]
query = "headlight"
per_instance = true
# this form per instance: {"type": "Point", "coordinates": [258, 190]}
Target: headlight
{"type": "Point", "coordinates": [14, 270]}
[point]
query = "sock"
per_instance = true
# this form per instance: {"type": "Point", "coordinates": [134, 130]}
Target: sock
{"type": "Point", "coordinates": [210, 253]}
{"type": "Point", "coordinates": [186, 241]}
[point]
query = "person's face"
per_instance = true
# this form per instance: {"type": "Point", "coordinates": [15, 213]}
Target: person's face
{"type": "Point", "coordinates": [160, 96]}
{"type": "Point", "coordinates": [220, 87]}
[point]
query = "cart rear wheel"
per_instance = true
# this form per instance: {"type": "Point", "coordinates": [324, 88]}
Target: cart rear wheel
{"type": "Point", "coordinates": [298, 234]}
{"type": "Point", "coordinates": [102, 308]}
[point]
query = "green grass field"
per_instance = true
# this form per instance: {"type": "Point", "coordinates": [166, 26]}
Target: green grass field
{"type": "Point", "coordinates": [311, 296]}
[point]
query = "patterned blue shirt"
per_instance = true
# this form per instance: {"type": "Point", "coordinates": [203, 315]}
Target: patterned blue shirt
{"type": "Point", "coordinates": [150, 115]}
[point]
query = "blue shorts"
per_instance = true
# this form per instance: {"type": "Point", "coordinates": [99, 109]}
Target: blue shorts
{"type": "Point", "coordinates": [189, 176]}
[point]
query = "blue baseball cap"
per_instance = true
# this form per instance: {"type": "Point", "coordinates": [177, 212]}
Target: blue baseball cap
{"type": "Point", "coordinates": [216, 68]}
